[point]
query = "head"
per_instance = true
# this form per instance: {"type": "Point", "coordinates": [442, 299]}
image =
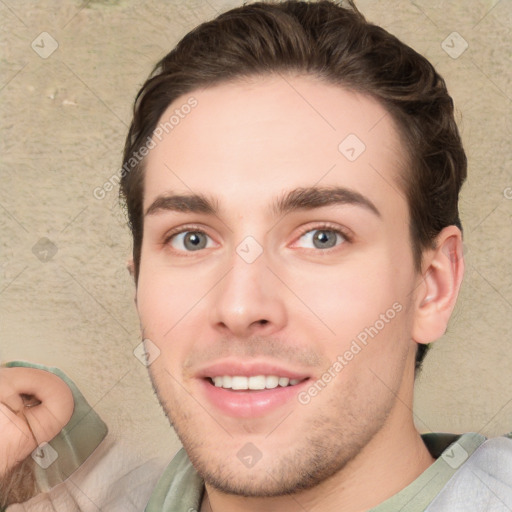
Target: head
{"type": "Point", "coordinates": [285, 114]}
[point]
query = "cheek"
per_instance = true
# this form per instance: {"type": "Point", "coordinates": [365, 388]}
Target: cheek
{"type": "Point", "coordinates": [361, 313]}
{"type": "Point", "coordinates": [348, 298]}
{"type": "Point", "coordinates": [164, 297]}
{"type": "Point", "coordinates": [172, 308]}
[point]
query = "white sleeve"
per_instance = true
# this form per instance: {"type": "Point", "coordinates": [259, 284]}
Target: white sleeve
{"type": "Point", "coordinates": [483, 483]}
{"type": "Point", "coordinates": [112, 479]}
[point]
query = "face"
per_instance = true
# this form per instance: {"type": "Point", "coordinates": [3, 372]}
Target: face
{"type": "Point", "coordinates": [276, 256]}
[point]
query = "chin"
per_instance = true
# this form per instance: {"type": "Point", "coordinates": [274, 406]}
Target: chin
{"type": "Point", "coordinates": [281, 472]}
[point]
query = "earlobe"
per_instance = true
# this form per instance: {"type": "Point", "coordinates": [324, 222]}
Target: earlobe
{"type": "Point", "coordinates": [439, 288]}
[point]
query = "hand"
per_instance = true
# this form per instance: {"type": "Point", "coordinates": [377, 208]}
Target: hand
{"type": "Point", "coordinates": [34, 407]}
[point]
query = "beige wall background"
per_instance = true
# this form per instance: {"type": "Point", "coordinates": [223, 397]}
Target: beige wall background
{"type": "Point", "coordinates": [65, 296]}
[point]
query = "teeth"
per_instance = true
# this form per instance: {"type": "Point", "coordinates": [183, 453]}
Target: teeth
{"type": "Point", "coordinates": [271, 382]}
{"type": "Point", "coordinates": [256, 382]}
{"type": "Point", "coordinates": [239, 382]}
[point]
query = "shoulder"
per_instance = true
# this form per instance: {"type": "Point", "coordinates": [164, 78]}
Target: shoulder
{"type": "Point", "coordinates": [482, 482]}
{"type": "Point", "coordinates": [179, 488]}
{"type": "Point", "coordinates": [494, 458]}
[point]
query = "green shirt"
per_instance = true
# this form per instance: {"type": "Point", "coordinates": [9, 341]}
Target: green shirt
{"type": "Point", "coordinates": [180, 489]}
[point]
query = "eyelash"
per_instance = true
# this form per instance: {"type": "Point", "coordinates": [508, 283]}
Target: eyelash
{"type": "Point", "coordinates": [326, 226]}
{"type": "Point", "coordinates": [321, 227]}
{"type": "Point", "coordinates": [183, 229]}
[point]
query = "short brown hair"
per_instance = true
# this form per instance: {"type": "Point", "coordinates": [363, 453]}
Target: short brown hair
{"type": "Point", "coordinates": [337, 45]}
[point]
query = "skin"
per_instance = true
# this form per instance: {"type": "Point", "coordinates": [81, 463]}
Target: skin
{"type": "Point", "coordinates": [297, 305]}
{"type": "Point", "coordinates": [22, 424]}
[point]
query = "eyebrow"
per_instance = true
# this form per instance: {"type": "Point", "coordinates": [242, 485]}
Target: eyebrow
{"type": "Point", "coordinates": [190, 203]}
{"type": "Point", "coordinates": [306, 198]}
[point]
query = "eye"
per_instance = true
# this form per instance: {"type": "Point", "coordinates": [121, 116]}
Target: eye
{"type": "Point", "coordinates": [323, 237]}
{"type": "Point", "coordinates": [189, 241]}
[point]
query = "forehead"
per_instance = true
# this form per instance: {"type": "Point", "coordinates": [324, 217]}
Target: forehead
{"type": "Point", "coordinates": [247, 141]}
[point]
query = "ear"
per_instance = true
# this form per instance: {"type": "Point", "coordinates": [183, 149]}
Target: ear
{"type": "Point", "coordinates": [442, 272]}
{"type": "Point", "coordinates": [131, 267]}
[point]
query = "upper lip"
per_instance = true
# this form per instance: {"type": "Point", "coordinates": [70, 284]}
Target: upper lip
{"type": "Point", "coordinates": [247, 369]}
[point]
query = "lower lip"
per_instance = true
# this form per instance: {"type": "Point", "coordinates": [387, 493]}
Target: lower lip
{"type": "Point", "coordinates": [249, 404]}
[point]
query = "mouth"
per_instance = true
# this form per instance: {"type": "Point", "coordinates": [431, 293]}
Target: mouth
{"type": "Point", "coordinates": [250, 390]}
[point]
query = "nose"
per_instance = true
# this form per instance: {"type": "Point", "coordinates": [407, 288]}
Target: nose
{"type": "Point", "coordinates": [248, 300]}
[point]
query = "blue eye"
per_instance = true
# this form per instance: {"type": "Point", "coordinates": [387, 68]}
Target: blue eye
{"type": "Point", "coordinates": [321, 238]}
{"type": "Point", "coordinates": [190, 241]}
